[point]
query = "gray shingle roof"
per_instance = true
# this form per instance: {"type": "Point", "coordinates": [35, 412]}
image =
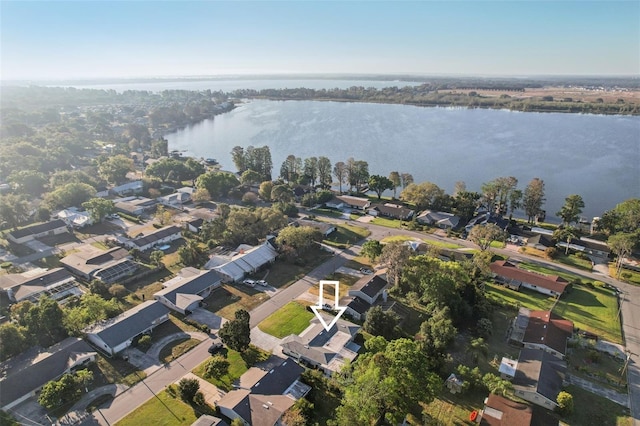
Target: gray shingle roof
{"type": "Point", "coordinates": [156, 236]}
{"type": "Point", "coordinates": [540, 372]}
{"type": "Point", "coordinates": [38, 229]}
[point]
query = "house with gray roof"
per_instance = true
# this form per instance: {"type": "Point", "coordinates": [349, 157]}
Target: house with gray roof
{"type": "Point", "coordinates": [244, 260]}
{"type": "Point", "coordinates": [30, 233]}
{"type": "Point", "coordinates": [89, 262]}
{"type": "Point", "coordinates": [393, 211]}
{"type": "Point", "coordinates": [161, 236]}
{"type": "Point", "coordinates": [539, 377]}
{"type": "Point", "coordinates": [116, 334]}
{"type": "Point", "coordinates": [442, 220]}
{"type": "Point", "coordinates": [267, 395]}
{"type": "Point", "coordinates": [341, 202]}
{"type": "Point", "coordinates": [23, 376]}
{"type": "Point", "coordinates": [56, 283]}
{"type": "Point", "coordinates": [365, 293]}
{"type": "Point", "coordinates": [326, 350]}
{"type": "Point", "coordinates": [185, 292]}
{"type": "Point", "coordinates": [128, 188]}
{"type": "Point", "coordinates": [324, 227]}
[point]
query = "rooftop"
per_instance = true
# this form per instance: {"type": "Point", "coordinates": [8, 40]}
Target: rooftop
{"type": "Point", "coordinates": [508, 270]}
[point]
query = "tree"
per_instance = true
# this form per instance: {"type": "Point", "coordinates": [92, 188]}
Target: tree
{"type": "Point", "coordinates": [407, 179]}
{"type": "Point", "coordinates": [381, 323]}
{"type": "Point", "coordinates": [83, 378]}
{"type": "Point", "coordinates": [238, 158]}
{"type": "Point", "coordinates": [171, 168]}
{"type": "Point", "coordinates": [57, 393]}
{"type": "Point", "coordinates": [465, 204]}
{"type": "Point", "coordinates": [435, 281]}
{"type": "Point", "coordinates": [156, 257]}
{"type": "Point", "coordinates": [571, 210]}
{"type": "Point", "coordinates": [396, 180]}
{"type": "Point", "coordinates": [282, 194]}
{"type": "Point", "coordinates": [250, 177]}
{"type": "Point", "coordinates": [114, 169]}
{"type": "Point", "coordinates": [29, 182]}
{"type": "Point", "coordinates": [71, 194]}
{"type": "Point", "coordinates": [340, 172]}
{"type": "Point", "coordinates": [515, 201]}
{"type": "Point", "coordinates": [387, 385]}
{"type": "Point", "coordinates": [299, 238]}
{"type": "Point", "coordinates": [216, 367]}
{"type": "Point", "coordinates": [621, 245]}
{"type": "Point", "coordinates": [565, 402]}
{"type": "Point", "coordinates": [236, 333]}
{"type": "Point", "coordinates": [162, 215]}
{"type": "Point", "coordinates": [437, 333]}
{"type": "Point", "coordinates": [484, 235]}
{"type": "Point", "coordinates": [423, 195]}
{"type": "Point", "coordinates": [379, 184]}
{"type": "Point", "coordinates": [188, 389]}
{"type": "Point", "coordinates": [324, 172]}
{"type": "Point", "coordinates": [13, 210]}
{"type": "Point", "coordinates": [310, 170]}
{"type": "Point", "coordinates": [265, 190]}
{"type": "Point", "coordinates": [625, 217]}
{"type": "Point", "coordinates": [13, 340]}
{"type": "Point", "coordinates": [371, 249]}
{"type": "Point", "coordinates": [99, 208]}
{"type": "Point", "coordinates": [565, 234]}
{"type": "Point", "coordinates": [217, 184]}
{"type": "Point", "coordinates": [200, 195]}
{"type": "Point", "coordinates": [496, 385]}
{"type": "Point", "coordinates": [478, 347]}
{"type": "Point", "coordinates": [533, 198]}
{"type": "Point", "coordinates": [191, 254]}
{"type": "Point", "coordinates": [395, 256]}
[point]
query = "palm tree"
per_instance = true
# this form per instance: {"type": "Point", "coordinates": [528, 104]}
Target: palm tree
{"type": "Point", "coordinates": [565, 234]}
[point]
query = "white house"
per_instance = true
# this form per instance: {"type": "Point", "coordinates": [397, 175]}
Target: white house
{"type": "Point", "coordinates": [177, 199]}
{"type": "Point", "coordinates": [56, 283]}
{"type": "Point", "coordinates": [515, 277]}
{"type": "Point", "coordinates": [74, 218]}
{"type": "Point", "coordinates": [244, 260]}
{"type": "Point", "coordinates": [185, 292]}
{"type": "Point", "coordinates": [89, 262]}
{"type": "Point", "coordinates": [129, 188]}
{"type": "Point", "coordinates": [440, 219]}
{"type": "Point", "coordinates": [24, 375]}
{"type": "Point", "coordinates": [539, 378]}
{"type": "Point", "coordinates": [347, 201]}
{"type": "Point", "coordinates": [46, 229]}
{"type": "Point", "coordinates": [364, 293]}
{"type": "Point", "coordinates": [116, 334]}
{"type": "Point", "coordinates": [161, 236]}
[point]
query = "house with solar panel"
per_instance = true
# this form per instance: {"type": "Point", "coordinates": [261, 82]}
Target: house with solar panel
{"type": "Point", "coordinates": [114, 335]}
{"type": "Point", "coordinates": [57, 284]}
{"type": "Point", "coordinates": [185, 292]}
{"type": "Point", "coordinates": [89, 262]}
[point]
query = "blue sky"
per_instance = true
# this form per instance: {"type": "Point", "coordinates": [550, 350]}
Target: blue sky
{"type": "Point", "coordinates": [91, 39]}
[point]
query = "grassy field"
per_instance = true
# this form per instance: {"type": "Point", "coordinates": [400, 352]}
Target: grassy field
{"type": "Point", "coordinates": [590, 409]}
{"type": "Point", "coordinates": [443, 244]}
{"type": "Point", "coordinates": [448, 409]}
{"type": "Point", "coordinates": [327, 212]}
{"type": "Point", "coordinates": [550, 271]}
{"type": "Point", "coordinates": [389, 223]}
{"type": "Point", "coordinates": [283, 273]}
{"type": "Point", "coordinates": [626, 275]}
{"type": "Point", "coordinates": [346, 281]}
{"type": "Point", "coordinates": [593, 309]}
{"type": "Point", "coordinates": [346, 235]}
{"type": "Point", "coordinates": [226, 300]}
{"type": "Point", "coordinates": [177, 348]}
{"type": "Point", "coordinates": [163, 410]}
{"type": "Point", "coordinates": [237, 367]}
{"type": "Point", "coordinates": [292, 318]}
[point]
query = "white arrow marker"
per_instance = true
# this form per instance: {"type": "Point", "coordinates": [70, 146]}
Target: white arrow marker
{"type": "Point", "coordinates": [339, 309]}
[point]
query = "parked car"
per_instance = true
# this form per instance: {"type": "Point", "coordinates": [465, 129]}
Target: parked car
{"type": "Point", "coordinates": [327, 307]}
{"type": "Point", "coordinates": [215, 347]}
{"type": "Point", "coordinates": [263, 283]}
{"type": "Point", "coordinates": [366, 271]}
{"type": "Point", "coordinates": [250, 283]}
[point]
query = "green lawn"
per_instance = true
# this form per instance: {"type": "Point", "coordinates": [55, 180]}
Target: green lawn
{"type": "Point", "coordinates": [550, 271]}
{"type": "Point", "coordinates": [389, 223]}
{"type": "Point", "coordinates": [177, 348]}
{"type": "Point", "coordinates": [237, 367]}
{"type": "Point", "coordinates": [163, 410]}
{"type": "Point", "coordinates": [327, 212]}
{"type": "Point", "coordinates": [591, 409]}
{"type": "Point", "coordinates": [397, 239]}
{"type": "Point", "coordinates": [292, 318]}
{"type": "Point", "coordinates": [346, 235]}
{"type": "Point", "coordinates": [626, 275]}
{"type": "Point", "coordinates": [443, 244]}
{"type": "Point", "coordinates": [449, 409]}
{"type": "Point", "coordinates": [593, 309]}
{"type": "Point", "coordinates": [575, 261]}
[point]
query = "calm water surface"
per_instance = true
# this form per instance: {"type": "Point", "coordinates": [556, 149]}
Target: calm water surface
{"type": "Point", "coordinates": [595, 156]}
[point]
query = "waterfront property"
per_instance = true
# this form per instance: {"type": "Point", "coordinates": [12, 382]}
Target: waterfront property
{"type": "Point", "coordinates": [25, 374]}
{"type": "Point", "coordinates": [508, 274]}
{"type": "Point", "coordinates": [342, 202]}
{"type": "Point", "coordinates": [390, 210]}
{"type": "Point", "coordinates": [114, 335]}
{"type": "Point", "coordinates": [442, 220]}
{"type": "Point", "coordinates": [184, 292]}
{"type": "Point", "coordinates": [324, 227]}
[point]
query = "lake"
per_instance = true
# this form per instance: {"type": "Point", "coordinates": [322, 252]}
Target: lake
{"type": "Point", "coordinates": [595, 156]}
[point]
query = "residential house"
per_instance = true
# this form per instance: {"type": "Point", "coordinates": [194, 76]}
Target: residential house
{"type": "Point", "coordinates": [508, 274]}
{"type": "Point", "coordinates": [207, 420]}
{"type": "Point", "coordinates": [587, 246]}
{"type": "Point", "coordinates": [541, 330]}
{"type": "Point", "coordinates": [265, 396]}
{"type": "Point", "coordinates": [56, 283]}
{"type": "Point", "coordinates": [500, 411]}
{"type": "Point", "coordinates": [116, 334]}
{"type": "Point", "coordinates": [487, 218]}
{"type": "Point", "coordinates": [176, 200]}
{"type": "Point", "coordinates": [393, 211]}
{"type": "Point", "coordinates": [89, 263]}
{"type": "Point", "coordinates": [507, 368]}
{"type": "Point", "coordinates": [24, 375]}
{"type": "Point", "coordinates": [540, 242]}
{"type": "Point", "coordinates": [185, 292]}
{"type": "Point", "coordinates": [442, 220]}
{"type": "Point", "coordinates": [325, 228]}
{"type": "Point", "coordinates": [235, 265]}
{"type": "Point", "coordinates": [129, 188]}
{"type": "Point", "coordinates": [75, 218]}
{"type": "Point", "coordinates": [30, 233]}
{"type": "Point", "coordinates": [326, 350]}
{"type": "Point", "coordinates": [161, 236]}
{"type": "Point", "coordinates": [194, 225]}
{"type": "Point", "coordinates": [539, 377]}
{"type": "Point", "coordinates": [341, 202]}
{"type": "Point", "coordinates": [365, 293]}
{"type": "Point", "coordinates": [135, 206]}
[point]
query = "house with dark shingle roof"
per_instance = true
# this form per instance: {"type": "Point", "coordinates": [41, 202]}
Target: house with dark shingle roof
{"type": "Point", "coordinates": [56, 283]}
{"type": "Point", "coordinates": [539, 377]}
{"type": "Point", "coordinates": [116, 334]}
{"type": "Point", "coordinates": [515, 277]}
{"type": "Point", "coordinates": [370, 287]}
{"type": "Point", "coordinates": [23, 376]}
{"type": "Point", "coordinates": [500, 411]}
{"type": "Point", "coordinates": [541, 330]}
{"type": "Point", "coordinates": [29, 233]}
{"type": "Point", "coordinates": [185, 292]}
{"type": "Point", "coordinates": [89, 262]}
{"type": "Point", "coordinates": [266, 400]}
{"type": "Point", "coordinates": [159, 237]}
{"type": "Point", "coordinates": [348, 202]}
{"type": "Point", "coordinates": [442, 220]}
{"type": "Point", "coordinates": [394, 211]}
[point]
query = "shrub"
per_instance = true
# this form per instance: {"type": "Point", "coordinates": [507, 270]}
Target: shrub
{"type": "Point", "coordinates": [118, 291]}
{"type": "Point", "coordinates": [485, 327]}
{"type": "Point", "coordinates": [188, 389]}
{"type": "Point", "coordinates": [144, 342]}
{"type": "Point", "coordinates": [216, 367]}
{"type": "Point", "coordinates": [565, 402]}
{"type": "Point", "coordinates": [6, 265]}
{"type": "Point", "coordinates": [551, 252]}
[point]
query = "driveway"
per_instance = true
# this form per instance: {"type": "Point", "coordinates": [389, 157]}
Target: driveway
{"type": "Point", "coordinates": [203, 316]}
{"type": "Point", "coordinates": [265, 341]}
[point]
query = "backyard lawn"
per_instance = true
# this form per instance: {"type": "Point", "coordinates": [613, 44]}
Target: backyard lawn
{"type": "Point", "coordinates": [449, 409]}
{"type": "Point", "coordinates": [526, 298]}
{"type": "Point", "coordinates": [591, 409]}
{"type": "Point", "coordinates": [292, 318]}
{"type": "Point", "coordinates": [238, 365]}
